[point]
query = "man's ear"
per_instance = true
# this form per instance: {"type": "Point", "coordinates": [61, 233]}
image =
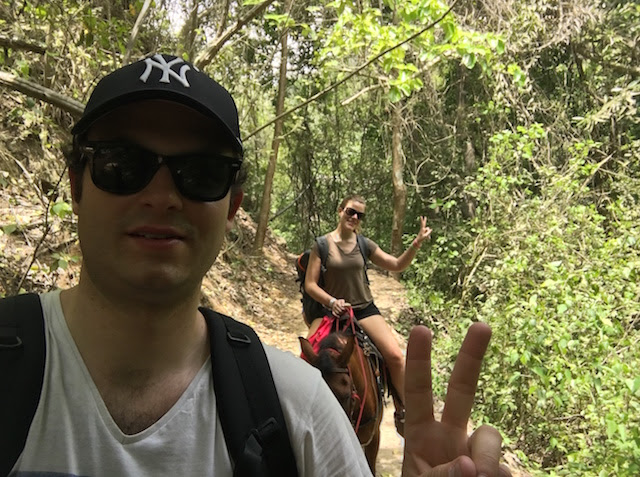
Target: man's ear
{"type": "Point", "coordinates": [76, 188]}
{"type": "Point", "coordinates": [234, 205]}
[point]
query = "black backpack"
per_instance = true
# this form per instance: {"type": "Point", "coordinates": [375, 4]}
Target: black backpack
{"type": "Point", "coordinates": [248, 404]}
{"type": "Point", "coordinates": [311, 308]}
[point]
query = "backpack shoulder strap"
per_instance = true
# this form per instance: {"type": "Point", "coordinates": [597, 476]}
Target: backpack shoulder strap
{"type": "Point", "coordinates": [22, 359]}
{"type": "Point", "coordinates": [323, 250]}
{"type": "Point", "coordinates": [364, 250]}
{"type": "Point", "coordinates": [247, 400]}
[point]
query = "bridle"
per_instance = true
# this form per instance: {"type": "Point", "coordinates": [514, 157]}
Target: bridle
{"type": "Point", "coordinates": [354, 397]}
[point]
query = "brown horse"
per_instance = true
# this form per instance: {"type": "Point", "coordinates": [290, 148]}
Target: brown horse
{"type": "Point", "coordinates": [352, 378]}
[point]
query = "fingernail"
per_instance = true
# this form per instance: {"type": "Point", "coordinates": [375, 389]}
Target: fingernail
{"type": "Point", "coordinates": [455, 470]}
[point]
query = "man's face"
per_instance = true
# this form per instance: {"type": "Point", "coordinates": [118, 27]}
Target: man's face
{"type": "Point", "coordinates": [153, 245]}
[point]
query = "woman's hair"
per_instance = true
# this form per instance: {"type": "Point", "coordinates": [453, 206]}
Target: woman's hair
{"type": "Point", "coordinates": [352, 197]}
{"type": "Point", "coordinates": [75, 162]}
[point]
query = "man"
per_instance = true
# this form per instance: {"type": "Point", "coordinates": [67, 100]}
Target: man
{"type": "Point", "coordinates": [128, 383]}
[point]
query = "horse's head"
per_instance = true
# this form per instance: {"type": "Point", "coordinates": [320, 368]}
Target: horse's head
{"type": "Point", "coordinates": [332, 360]}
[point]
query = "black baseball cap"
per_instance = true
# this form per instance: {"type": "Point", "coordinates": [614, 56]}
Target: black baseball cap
{"type": "Point", "coordinates": [165, 77]}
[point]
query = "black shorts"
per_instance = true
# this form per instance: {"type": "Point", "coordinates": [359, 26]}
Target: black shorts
{"type": "Point", "coordinates": [369, 310]}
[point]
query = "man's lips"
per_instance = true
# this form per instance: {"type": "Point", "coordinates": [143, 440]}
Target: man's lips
{"type": "Point", "coordinates": [157, 233]}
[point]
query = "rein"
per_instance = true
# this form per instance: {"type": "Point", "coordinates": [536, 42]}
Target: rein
{"type": "Point", "coordinates": [352, 407]}
{"type": "Point", "coordinates": [355, 395]}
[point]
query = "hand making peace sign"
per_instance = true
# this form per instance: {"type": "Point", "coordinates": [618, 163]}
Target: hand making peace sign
{"type": "Point", "coordinates": [424, 233]}
{"type": "Point", "coordinates": [443, 449]}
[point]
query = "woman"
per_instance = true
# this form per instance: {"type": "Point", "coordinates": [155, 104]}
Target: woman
{"type": "Point", "coordinates": [345, 285]}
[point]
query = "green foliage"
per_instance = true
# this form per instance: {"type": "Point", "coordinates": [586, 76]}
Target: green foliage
{"type": "Point", "coordinates": [558, 280]}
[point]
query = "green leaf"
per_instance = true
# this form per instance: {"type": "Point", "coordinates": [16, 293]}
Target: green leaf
{"type": "Point", "coordinates": [61, 209]}
{"type": "Point", "coordinates": [633, 384]}
{"type": "Point", "coordinates": [9, 228]}
{"type": "Point", "coordinates": [539, 371]}
{"type": "Point", "coordinates": [449, 30]}
{"type": "Point", "coordinates": [469, 60]}
{"type": "Point", "coordinates": [395, 94]}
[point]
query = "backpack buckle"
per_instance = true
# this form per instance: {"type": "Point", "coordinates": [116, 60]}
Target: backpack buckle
{"type": "Point", "coordinates": [9, 338]}
{"type": "Point", "coordinates": [238, 338]}
{"type": "Point", "coordinates": [266, 431]}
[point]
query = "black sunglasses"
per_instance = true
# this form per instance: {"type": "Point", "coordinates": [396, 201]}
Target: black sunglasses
{"type": "Point", "coordinates": [351, 212]}
{"type": "Point", "coordinates": [124, 168]}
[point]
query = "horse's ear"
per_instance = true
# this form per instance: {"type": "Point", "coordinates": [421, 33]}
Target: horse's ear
{"type": "Point", "coordinates": [345, 354]}
{"type": "Point", "coordinates": [307, 351]}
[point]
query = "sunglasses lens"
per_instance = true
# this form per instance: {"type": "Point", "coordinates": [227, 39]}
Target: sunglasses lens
{"type": "Point", "coordinates": [203, 177]}
{"type": "Point", "coordinates": [122, 169]}
{"type": "Point", "coordinates": [126, 169]}
{"type": "Point", "coordinates": [351, 212]}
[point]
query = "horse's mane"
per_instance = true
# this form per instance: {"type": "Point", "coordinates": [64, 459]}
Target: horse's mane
{"type": "Point", "coordinates": [335, 340]}
{"type": "Point", "coordinates": [327, 347]}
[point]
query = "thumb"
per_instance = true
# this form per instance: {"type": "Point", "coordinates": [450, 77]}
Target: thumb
{"type": "Point", "coordinates": [463, 466]}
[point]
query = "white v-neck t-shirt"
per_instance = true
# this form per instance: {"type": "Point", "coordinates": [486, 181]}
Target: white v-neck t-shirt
{"type": "Point", "coordinates": [73, 434]}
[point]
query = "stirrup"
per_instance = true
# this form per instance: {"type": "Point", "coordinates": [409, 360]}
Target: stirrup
{"type": "Point", "coordinates": [398, 418]}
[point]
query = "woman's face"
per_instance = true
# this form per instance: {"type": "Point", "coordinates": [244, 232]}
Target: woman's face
{"type": "Point", "coordinates": [352, 214]}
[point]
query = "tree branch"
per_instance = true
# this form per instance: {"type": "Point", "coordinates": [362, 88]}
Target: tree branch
{"type": "Point", "coordinates": [350, 75]}
{"type": "Point", "coordinates": [617, 67]}
{"type": "Point", "coordinates": [18, 44]}
{"type": "Point", "coordinates": [40, 92]}
{"type": "Point", "coordinates": [136, 30]}
{"type": "Point", "coordinates": [210, 51]}
{"type": "Point", "coordinates": [360, 93]}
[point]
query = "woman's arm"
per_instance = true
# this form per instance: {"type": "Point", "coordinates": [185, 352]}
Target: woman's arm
{"type": "Point", "coordinates": [398, 264]}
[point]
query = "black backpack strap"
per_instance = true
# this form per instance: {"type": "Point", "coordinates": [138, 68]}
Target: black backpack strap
{"type": "Point", "coordinates": [22, 357]}
{"type": "Point", "coordinates": [323, 252]}
{"type": "Point", "coordinates": [364, 250]}
{"type": "Point", "coordinates": [248, 405]}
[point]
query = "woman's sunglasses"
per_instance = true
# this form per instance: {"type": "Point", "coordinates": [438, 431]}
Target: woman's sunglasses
{"type": "Point", "coordinates": [123, 169]}
{"type": "Point", "coordinates": [351, 212]}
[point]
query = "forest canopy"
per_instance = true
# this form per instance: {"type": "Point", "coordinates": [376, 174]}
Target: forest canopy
{"type": "Point", "coordinates": [513, 126]}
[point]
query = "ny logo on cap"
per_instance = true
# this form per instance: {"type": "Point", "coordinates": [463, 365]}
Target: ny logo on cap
{"type": "Point", "coordinates": [159, 62]}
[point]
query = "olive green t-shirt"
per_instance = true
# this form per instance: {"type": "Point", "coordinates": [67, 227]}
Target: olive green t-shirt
{"type": "Point", "coordinates": [345, 276]}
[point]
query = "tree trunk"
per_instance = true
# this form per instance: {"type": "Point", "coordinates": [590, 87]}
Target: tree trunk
{"type": "Point", "coordinates": [265, 208]}
{"type": "Point", "coordinates": [188, 32]}
{"type": "Point", "coordinates": [399, 187]}
{"type": "Point", "coordinates": [468, 203]}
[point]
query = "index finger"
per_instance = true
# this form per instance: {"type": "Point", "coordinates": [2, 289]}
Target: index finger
{"type": "Point", "coordinates": [464, 378]}
{"type": "Point", "coordinates": [418, 392]}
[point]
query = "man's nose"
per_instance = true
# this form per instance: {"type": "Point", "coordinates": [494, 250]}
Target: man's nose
{"type": "Point", "coordinates": [162, 191]}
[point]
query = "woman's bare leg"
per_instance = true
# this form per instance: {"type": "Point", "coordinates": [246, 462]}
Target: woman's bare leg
{"type": "Point", "coordinates": [380, 333]}
{"type": "Point", "coordinates": [315, 324]}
